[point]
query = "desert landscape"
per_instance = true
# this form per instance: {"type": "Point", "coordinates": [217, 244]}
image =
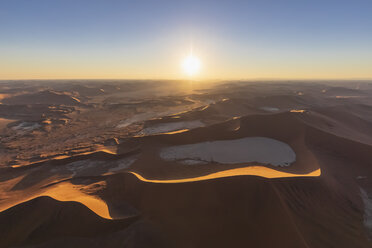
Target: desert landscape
{"type": "Point", "coordinates": [170, 163]}
{"type": "Point", "coordinates": [185, 124]}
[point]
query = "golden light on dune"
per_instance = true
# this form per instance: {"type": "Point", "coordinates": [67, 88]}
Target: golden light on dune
{"type": "Point", "coordinates": [260, 171]}
{"type": "Point", "coordinates": [191, 65]}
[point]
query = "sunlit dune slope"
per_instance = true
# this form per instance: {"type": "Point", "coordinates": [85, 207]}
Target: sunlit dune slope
{"type": "Point", "coordinates": [64, 191]}
{"type": "Point", "coordinates": [251, 171]}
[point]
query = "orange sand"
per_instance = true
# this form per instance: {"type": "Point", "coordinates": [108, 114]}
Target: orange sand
{"type": "Point", "coordinates": [251, 171]}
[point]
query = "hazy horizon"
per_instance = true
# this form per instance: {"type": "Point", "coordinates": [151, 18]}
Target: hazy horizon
{"type": "Point", "coordinates": [193, 80]}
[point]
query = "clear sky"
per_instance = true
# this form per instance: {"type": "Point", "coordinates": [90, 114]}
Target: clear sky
{"type": "Point", "coordinates": [143, 39]}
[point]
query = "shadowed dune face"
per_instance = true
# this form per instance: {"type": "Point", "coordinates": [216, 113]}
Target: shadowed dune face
{"type": "Point", "coordinates": [257, 207]}
{"type": "Point", "coordinates": [367, 201]}
{"type": "Point", "coordinates": [42, 97]}
{"type": "Point", "coordinates": [164, 164]}
{"type": "Point", "coordinates": [44, 218]}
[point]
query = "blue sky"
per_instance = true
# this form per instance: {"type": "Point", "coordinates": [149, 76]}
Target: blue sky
{"type": "Point", "coordinates": [148, 39]}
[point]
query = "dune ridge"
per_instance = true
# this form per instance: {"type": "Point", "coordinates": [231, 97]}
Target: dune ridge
{"type": "Point", "coordinates": [245, 171]}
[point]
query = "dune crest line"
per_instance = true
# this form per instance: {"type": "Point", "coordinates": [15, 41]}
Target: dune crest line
{"type": "Point", "coordinates": [245, 171]}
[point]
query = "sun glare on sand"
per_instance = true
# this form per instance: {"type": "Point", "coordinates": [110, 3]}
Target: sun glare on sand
{"type": "Point", "coordinates": [191, 65]}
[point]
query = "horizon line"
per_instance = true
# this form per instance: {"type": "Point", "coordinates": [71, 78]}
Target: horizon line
{"type": "Point", "coordinates": [185, 79]}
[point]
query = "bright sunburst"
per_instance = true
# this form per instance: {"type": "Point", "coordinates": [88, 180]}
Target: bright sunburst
{"type": "Point", "coordinates": [191, 65]}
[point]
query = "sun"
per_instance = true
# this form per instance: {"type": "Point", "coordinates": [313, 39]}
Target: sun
{"type": "Point", "coordinates": [191, 65]}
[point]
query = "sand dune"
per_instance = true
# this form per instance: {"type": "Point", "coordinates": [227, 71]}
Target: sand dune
{"type": "Point", "coordinates": [247, 171]}
{"type": "Point", "coordinates": [62, 192]}
{"type": "Point", "coordinates": [202, 166]}
{"type": "Point", "coordinates": [195, 205]}
{"type": "Point", "coordinates": [42, 97]}
{"type": "Point", "coordinates": [171, 127]}
{"type": "Point", "coordinates": [4, 122]}
{"type": "Point", "coordinates": [30, 222]}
